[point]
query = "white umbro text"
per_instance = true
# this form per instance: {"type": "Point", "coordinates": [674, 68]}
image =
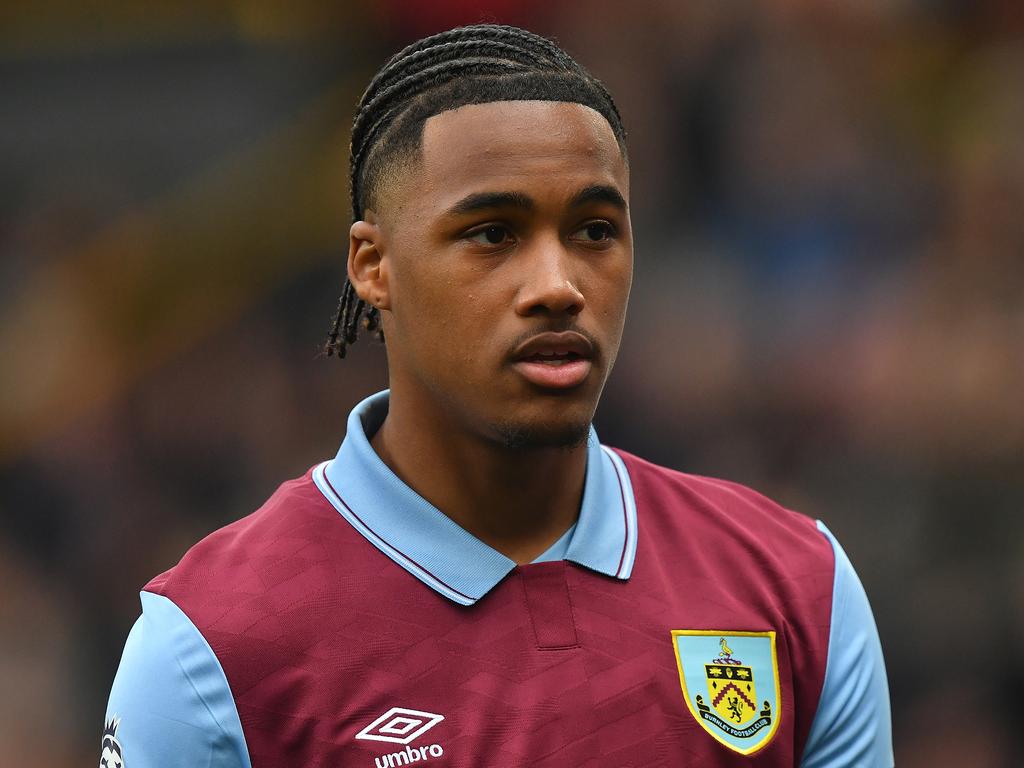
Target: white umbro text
{"type": "Point", "coordinates": [408, 756]}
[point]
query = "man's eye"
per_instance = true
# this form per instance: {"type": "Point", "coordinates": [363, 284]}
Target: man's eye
{"type": "Point", "coordinates": [594, 232]}
{"type": "Point", "coordinates": [494, 234]}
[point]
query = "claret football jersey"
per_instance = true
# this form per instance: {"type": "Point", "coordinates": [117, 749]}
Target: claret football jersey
{"type": "Point", "coordinates": [682, 621]}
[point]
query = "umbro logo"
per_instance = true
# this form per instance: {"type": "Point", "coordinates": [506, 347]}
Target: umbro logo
{"type": "Point", "coordinates": [400, 726]}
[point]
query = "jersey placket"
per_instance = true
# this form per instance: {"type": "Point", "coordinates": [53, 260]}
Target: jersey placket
{"type": "Point", "coordinates": [549, 605]}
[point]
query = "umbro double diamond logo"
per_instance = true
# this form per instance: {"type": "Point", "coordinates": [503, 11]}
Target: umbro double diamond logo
{"type": "Point", "coordinates": [402, 726]}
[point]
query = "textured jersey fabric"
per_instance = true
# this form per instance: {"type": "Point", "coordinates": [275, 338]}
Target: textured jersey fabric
{"type": "Point", "coordinates": [325, 629]}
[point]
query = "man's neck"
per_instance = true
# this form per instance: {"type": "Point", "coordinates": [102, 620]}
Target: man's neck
{"type": "Point", "coordinates": [518, 501]}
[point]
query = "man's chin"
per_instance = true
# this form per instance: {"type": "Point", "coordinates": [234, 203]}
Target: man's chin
{"type": "Point", "coordinates": [526, 436]}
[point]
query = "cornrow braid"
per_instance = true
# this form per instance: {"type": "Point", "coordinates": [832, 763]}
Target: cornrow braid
{"type": "Point", "coordinates": [477, 64]}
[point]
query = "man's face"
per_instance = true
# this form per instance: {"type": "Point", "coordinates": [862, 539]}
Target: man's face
{"type": "Point", "coordinates": [506, 258]}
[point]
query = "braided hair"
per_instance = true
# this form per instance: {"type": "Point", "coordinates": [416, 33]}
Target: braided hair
{"type": "Point", "coordinates": [477, 64]}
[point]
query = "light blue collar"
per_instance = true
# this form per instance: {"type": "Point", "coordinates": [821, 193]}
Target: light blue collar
{"type": "Point", "coordinates": [443, 555]}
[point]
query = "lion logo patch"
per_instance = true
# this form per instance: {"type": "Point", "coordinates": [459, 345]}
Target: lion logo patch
{"type": "Point", "coordinates": [111, 754]}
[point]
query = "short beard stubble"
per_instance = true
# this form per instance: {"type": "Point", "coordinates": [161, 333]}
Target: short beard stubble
{"type": "Point", "coordinates": [517, 436]}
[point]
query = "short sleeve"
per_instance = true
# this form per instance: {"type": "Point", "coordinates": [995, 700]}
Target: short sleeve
{"type": "Point", "coordinates": [852, 727]}
{"type": "Point", "coordinates": [170, 704]}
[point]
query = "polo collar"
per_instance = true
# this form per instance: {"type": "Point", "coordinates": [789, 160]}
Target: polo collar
{"type": "Point", "coordinates": [439, 552]}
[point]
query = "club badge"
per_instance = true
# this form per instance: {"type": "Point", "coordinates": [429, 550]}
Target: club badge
{"type": "Point", "coordinates": [730, 683]}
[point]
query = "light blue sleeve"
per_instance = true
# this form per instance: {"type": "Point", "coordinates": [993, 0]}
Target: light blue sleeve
{"type": "Point", "coordinates": [853, 725]}
{"type": "Point", "coordinates": [170, 704]}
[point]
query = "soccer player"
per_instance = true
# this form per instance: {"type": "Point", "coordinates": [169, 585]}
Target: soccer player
{"type": "Point", "coordinates": [474, 580]}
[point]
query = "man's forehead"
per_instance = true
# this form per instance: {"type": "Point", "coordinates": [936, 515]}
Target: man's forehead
{"type": "Point", "coordinates": [508, 124]}
{"type": "Point", "coordinates": [479, 144]}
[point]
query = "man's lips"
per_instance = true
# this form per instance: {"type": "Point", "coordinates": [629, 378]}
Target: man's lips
{"type": "Point", "coordinates": [555, 360]}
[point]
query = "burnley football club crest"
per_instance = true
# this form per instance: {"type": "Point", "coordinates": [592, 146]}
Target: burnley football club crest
{"type": "Point", "coordinates": [730, 683]}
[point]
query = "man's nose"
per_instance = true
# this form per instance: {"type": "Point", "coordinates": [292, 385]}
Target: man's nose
{"type": "Point", "coordinates": [550, 283]}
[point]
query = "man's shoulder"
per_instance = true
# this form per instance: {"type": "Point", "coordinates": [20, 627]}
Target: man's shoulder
{"type": "Point", "coordinates": [295, 516]}
{"type": "Point", "coordinates": [717, 510]}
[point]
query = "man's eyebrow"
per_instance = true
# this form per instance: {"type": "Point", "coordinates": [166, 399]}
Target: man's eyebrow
{"type": "Point", "coordinates": [485, 200]}
{"type": "Point", "coordinates": [479, 201]}
{"type": "Point", "coordinates": [599, 193]}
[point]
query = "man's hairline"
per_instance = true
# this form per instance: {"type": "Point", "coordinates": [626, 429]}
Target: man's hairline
{"type": "Point", "coordinates": [406, 159]}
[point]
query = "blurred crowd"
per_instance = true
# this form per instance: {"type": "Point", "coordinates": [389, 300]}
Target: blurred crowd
{"type": "Point", "coordinates": [828, 206]}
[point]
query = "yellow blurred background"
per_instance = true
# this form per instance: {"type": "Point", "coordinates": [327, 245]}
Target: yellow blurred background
{"type": "Point", "coordinates": [828, 203]}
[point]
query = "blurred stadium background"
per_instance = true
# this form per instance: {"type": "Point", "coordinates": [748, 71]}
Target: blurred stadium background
{"type": "Point", "coordinates": [829, 303]}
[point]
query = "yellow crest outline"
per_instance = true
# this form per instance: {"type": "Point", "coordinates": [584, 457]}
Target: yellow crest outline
{"type": "Point", "coordinates": [777, 709]}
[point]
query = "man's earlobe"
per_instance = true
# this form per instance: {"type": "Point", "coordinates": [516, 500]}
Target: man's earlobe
{"type": "Point", "coordinates": [367, 268]}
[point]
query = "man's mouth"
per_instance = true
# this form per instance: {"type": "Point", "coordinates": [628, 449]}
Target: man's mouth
{"type": "Point", "coordinates": [555, 360]}
{"type": "Point", "coordinates": [554, 357]}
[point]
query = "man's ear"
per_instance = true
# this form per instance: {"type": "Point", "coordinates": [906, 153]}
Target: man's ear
{"type": "Point", "coordinates": [367, 269]}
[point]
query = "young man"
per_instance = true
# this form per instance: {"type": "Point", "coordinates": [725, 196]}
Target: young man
{"type": "Point", "coordinates": [474, 580]}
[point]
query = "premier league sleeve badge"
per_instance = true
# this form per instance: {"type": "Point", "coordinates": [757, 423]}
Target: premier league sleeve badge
{"type": "Point", "coordinates": [730, 683]}
{"type": "Point", "coordinates": [111, 755]}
